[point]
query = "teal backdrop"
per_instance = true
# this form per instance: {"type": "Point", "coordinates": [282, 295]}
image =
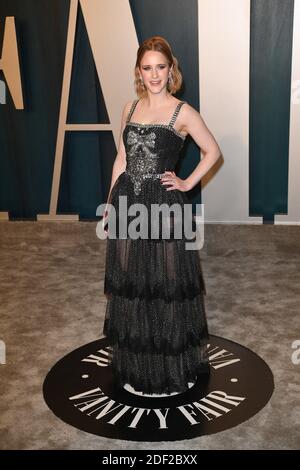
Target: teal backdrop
{"type": "Point", "coordinates": [28, 137]}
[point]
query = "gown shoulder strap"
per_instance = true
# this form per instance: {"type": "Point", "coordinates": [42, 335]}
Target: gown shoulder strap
{"type": "Point", "coordinates": [175, 114]}
{"type": "Point", "coordinates": [132, 109]}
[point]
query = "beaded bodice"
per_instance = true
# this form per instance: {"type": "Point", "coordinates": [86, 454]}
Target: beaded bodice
{"type": "Point", "coordinates": [151, 149]}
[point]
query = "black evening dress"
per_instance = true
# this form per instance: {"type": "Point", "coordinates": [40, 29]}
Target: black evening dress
{"type": "Point", "coordinates": [155, 316]}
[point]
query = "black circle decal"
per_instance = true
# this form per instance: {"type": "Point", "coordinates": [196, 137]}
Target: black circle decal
{"type": "Point", "coordinates": [80, 390]}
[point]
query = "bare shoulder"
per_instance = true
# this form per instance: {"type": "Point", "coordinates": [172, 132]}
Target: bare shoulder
{"type": "Point", "coordinates": [186, 116]}
{"type": "Point", "coordinates": [188, 112]}
{"type": "Point", "coordinates": [194, 124]}
{"type": "Point", "coordinates": [128, 104]}
{"type": "Point", "coordinates": [190, 117]}
{"type": "Point", "coordinates": [126, 109]}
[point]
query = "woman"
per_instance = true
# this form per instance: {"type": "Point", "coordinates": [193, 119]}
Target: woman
{"type": "Point", "coordinates": [155, 317]}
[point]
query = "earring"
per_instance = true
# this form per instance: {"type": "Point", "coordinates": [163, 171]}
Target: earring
{"type": "Point", "coordinates": [142, 83]}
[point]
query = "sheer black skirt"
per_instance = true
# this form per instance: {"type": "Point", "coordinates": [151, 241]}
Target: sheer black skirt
{"type": "Point", "coordinates": [155, 315]}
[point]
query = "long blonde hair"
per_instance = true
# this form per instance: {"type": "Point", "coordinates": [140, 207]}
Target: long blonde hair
{"type": "Point", "coordinates": [160, 44]}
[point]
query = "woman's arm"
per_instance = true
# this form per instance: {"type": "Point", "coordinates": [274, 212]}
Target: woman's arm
{"type": "Point", "coordinates": [195, 126]}
{"type": "Point", "coordinates": [119, 165]}
{"type": "Point", "coordinates": [190, 121]}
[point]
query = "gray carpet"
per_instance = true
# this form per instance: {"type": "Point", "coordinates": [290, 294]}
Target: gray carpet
{"type": "Point", "coordinates": [52, 302]}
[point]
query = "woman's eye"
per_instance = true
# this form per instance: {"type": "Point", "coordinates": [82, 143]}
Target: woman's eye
{"type": "Point", "coordinates": [160, 67]}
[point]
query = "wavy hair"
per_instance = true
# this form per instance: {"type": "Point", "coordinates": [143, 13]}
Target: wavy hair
{"type": "Point", "coordinates": [160, 44]}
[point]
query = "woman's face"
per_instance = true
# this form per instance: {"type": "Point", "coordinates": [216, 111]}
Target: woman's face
{"type": "Point", "coordinates": [154, 70]}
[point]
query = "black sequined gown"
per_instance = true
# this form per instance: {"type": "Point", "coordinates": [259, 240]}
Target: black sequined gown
{"type": "Point", "coordinates": [155, 317]}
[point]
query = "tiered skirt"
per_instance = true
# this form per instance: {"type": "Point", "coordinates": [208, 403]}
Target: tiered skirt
{"type": "Point", "coordinates": [155, 315]}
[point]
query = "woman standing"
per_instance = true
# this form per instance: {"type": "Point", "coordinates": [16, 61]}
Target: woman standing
{"type": "Point", "coordinates": [155, 316]}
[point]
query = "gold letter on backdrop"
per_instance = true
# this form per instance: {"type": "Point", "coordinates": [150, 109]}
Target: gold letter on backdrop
{"type": "Point", "coordinates": [114, 43]}
{"type": "Point", "coordinates": [9, 63]}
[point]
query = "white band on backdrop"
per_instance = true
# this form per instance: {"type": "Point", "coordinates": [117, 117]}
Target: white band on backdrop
{"type": "Point", "coordinates": [224, 49]}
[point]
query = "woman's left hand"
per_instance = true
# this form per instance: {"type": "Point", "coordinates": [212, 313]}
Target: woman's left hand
{"type": "Point", "coordinates": [173, 182]}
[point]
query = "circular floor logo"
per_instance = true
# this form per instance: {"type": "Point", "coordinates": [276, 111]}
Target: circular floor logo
{"type": "Point", "coordinates": [80, 390]}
